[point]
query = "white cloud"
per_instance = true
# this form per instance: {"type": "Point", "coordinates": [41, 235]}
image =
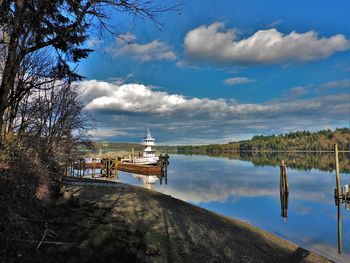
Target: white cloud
{"type": "Point", "coordinates": [154, 50]}
{"type": "Point", "coordinates": [181, 64]}
{"type": "Point", "coordinates": [179, 119]}
{"type": "Point", "coordinates": [129, 98]}
{"type": "Point", "coordinates": [94, 43]}
{"type": "Point", "coordinates": [238, 80]}
{"type": "Point", "coordinates": [344, 83]}
{"type": "Point", "coordinates": [216, 44]}
{"type": "Point", "coordinates": [106, 133]}
{"type": "Point", "coordinates": [298, 91]}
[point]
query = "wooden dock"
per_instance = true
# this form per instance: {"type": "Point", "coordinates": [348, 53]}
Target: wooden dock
{"type": "Point", "coordinates": [109, 167]}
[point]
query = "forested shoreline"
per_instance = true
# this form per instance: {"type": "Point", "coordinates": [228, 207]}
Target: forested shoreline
{"type": "Point", "coordinates": [299, 141]}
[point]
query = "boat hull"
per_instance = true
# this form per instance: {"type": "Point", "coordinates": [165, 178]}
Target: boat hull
{"type": "Point", "coordinates": [144, 169]}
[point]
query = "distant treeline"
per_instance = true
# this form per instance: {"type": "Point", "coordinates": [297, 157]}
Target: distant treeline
{"type": "Point", "coordinates": [323, 140]}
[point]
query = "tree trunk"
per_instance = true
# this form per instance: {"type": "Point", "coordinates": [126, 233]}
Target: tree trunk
{"type": "Point", "coordinates": [11, 65]}
{"type": "Point", "coordinates": [8, 80]}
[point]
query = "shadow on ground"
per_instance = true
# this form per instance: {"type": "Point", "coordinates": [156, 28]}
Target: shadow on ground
{"type": "Point", "coordinates": [131, 224]}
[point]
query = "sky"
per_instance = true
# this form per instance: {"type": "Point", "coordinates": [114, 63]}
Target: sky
{"type": "Point", "coordinates": [220, 71]}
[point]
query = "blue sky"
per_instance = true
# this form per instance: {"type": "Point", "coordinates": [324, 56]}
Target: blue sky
{"type": "Point", "coordinates": [221, 71]}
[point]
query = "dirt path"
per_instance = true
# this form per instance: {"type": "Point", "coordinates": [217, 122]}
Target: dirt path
{"type": "Point", "coordinates": [123, 223]}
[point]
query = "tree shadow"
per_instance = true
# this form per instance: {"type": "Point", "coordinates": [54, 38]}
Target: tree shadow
{"type": "Point", "coordinates": [132, 224]}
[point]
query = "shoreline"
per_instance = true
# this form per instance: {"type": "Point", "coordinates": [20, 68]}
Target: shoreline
{"type": "Point", "coordinates": [174, 230]}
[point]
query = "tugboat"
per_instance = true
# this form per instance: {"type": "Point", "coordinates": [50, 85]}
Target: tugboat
{"type": "Point", "coordinates": [149, 153]}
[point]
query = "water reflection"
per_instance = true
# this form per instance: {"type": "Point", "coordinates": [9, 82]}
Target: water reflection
{"type": "Point", "coordinates": [344, 198]}
{"type": "Point", "coordinates": [284, 205]}
{"type": "Point", "coordinates": [340, 240]}
{"type": "Point", "coordinates": [149, 181]}
{"type": "Point", "coordinates": [234, 187]}
{"type": "Point", "coordinates": [284, 191]}
{"type": "Point", "coordinates": [296, 160]}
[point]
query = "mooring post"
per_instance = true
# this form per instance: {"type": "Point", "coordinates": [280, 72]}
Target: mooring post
{"type": "Point", "coordinates": [283, 178]}
{"type": "Point", "coordinates": [79, 172]}
{"type": "Point", "coordinates": [116, 168]}
{"type": "Point", "coordinates": [284, 192]}
{"type": "Point", "coordinates": [110, 167]}
{"type": "Point", "coordinates": [93, 167]}
{"type": "Point", "coordinates": [337, 175]}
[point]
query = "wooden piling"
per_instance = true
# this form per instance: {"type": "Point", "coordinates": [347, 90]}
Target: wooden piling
{"type": "Point", "coordinates": [337, 175]}
{"type": "Point", "coordinates": [284, 190]}
{"type": "Point", "coordinates": [79, 168]}
{"type": "Point", "coordinates": [93, 167]}
{"type": "Point", "coordinates": [116, 168]}
{"type": "Point", "coordinates": [283, 178]}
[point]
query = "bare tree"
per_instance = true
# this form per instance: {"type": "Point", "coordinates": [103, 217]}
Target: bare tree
{"type": "Point", "coordinates": [52, 120]}
{"type": "Point", "coordinates": [33, 74]}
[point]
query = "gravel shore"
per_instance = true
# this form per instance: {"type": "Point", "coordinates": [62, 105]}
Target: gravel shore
{"type": "Point", "coordinates": [117, 222]}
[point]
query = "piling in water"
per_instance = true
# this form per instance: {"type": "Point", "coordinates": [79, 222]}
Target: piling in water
{"type": "Point", "coordinates": [284, 191]}
{"type": "Point", "coordinates": [337, 175]}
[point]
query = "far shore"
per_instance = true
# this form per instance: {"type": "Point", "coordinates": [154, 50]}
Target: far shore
{"type": "Point", "coordinates": [116, 222]}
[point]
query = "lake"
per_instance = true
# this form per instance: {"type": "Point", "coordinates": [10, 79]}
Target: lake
{"type": "Point", "coordinates": [247, 188]}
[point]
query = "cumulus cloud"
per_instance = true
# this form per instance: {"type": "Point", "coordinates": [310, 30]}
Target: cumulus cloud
{"type": "Point", "coordinates": [344, 83]}
{"type": "Point", "coordinates": [216, 44]}
{"type": "Point", "coordinates": [138, 98]}
{"type": "Point", "coordinates": [154, 50]}
{"type": "Point", "coordinates": [107, 133]}
{"type": "Point", "coordinates": [178, 119]}
{"type": "Point", "coordinates": [298, 91]}
{"type": "Point", "coordinates": [238, 80]}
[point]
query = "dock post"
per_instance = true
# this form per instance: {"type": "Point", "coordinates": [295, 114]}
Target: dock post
{"type": "Point", "coordinates": [79, 167]}
{"type": "Point", "coordinates": [284, 191]}
{"type": "Point", "coordinates": [283, 178]}
{"type": "Point", "coordinates": [337, 175]}
{"type": "Point", "coordinates": [110, 168]}
{"type": "Point", "coordinates": [93, 167]}
{"type": "Point", "coordinates": [109, 172]}
{"type": "Point", "coordinates": [116, 168]}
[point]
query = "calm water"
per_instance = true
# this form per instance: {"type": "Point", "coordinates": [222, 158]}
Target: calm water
{"type": "Point", "coordinates": [249, 192]}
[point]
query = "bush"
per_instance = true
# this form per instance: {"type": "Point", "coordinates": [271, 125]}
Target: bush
{"type": "Point", "coordinates": [26, 184]}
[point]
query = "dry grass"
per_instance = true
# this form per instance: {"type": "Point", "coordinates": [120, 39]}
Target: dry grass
{"type": "Point", "coordinates": [25, 194]}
